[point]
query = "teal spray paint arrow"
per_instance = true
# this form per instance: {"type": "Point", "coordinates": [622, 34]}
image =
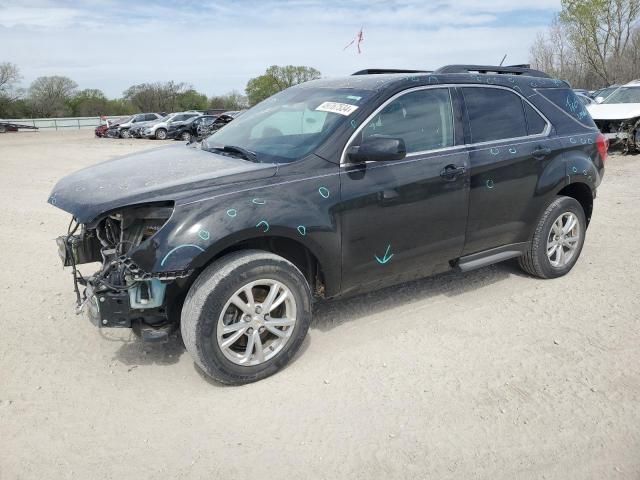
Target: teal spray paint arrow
{"type": "Point", "coordinates": [386, 257]}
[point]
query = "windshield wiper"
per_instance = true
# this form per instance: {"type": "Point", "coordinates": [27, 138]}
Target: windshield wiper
{"type": "Point", "coordinates": [244, 153]}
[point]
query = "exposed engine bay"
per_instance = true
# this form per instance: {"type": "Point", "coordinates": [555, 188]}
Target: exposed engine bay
{"type": "Point", "coordinates": [119, 293]}
{"type": "Point", "coordinates": [624, 134]}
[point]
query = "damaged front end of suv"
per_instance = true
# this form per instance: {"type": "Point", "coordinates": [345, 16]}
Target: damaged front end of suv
{"type": "Point", "coordinates": [623, 134]}
{"type": "Point", "coordinates": [120, 293]}
{"type": "Point", "coordinates": [618, 117]}
{"type": "Point", "coordinates": [134, 217]}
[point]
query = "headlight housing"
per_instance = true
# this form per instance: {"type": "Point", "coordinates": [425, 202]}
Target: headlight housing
{"type": "Point", "coordinates": [141, 222]}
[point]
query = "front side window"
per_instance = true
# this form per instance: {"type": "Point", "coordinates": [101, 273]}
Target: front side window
{"type": "Point", "coordinates": [423, 119]}
{"type": "Point", "coordinates": [494, 114]}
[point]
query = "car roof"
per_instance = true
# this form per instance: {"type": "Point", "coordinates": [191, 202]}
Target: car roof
{"type": "Point", "coordinates": [377, 82]}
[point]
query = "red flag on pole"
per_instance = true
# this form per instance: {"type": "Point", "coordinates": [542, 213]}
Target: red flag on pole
{"type": "Point", "coordinates": [357, 40]}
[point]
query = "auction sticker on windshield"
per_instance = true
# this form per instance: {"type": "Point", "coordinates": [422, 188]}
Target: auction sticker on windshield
{"type": "Point", "coordinates": [335, 107]}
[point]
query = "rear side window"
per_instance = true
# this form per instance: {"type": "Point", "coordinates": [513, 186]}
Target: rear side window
{"type": "Point", "coordinates": [569, 103]}
{"type": "Point", "coordinates": [535, 123]}
{"type": "Point", "coordinates": [494, 114]}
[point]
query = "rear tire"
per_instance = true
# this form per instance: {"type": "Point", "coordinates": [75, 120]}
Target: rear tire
{"type": "Point", "coordinates": [161, 134]}
{"type": "Point", "coordinates": [211, 311]}
{"type": "Point", "coordinates": [555, 247]}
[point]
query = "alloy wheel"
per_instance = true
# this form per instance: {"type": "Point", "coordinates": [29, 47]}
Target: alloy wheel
{"type": "Point", "coordinates": [563, 239]}
{"type": "Point", "coordinates": [256, 322]}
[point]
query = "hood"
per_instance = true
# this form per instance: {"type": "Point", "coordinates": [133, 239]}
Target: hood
{"type": "Point", "coordinates": [614, 111]}
{"type": "Point", "coordinates": [161, 174]}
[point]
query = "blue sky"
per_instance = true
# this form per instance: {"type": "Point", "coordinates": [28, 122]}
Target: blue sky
{"type": "Point", "coordinates": [218, 45]}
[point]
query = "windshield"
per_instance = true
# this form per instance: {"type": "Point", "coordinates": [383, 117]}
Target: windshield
{"type": "Point", "coordinates": [290, 124]}
{"type": "Point", "coordinates": [624, 95]}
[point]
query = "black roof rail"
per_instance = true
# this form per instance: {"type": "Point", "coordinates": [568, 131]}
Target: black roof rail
{"type": "Point", "coordinates": [379, 71]}
{"type": "Point", "coordinates": [523, 69]}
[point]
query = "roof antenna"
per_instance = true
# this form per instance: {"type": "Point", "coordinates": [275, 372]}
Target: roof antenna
{"type": "Point", "coordinates": [503, 59]}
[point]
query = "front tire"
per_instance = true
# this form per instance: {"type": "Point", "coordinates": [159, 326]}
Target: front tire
{"type": "Point", "coordinates": [245, 316]}
{"type": "Point", "coordinates": [124, 133]}
{"type": "Point", "coordinates": [557, 240]}
{"type": "Point", "coordinates": [161, 134]}
{"type": "Point", "coordinates": [186, 136]}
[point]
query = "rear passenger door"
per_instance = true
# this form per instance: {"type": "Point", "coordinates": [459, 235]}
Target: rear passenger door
{"type": "Point", "coordinates": [508, 149]}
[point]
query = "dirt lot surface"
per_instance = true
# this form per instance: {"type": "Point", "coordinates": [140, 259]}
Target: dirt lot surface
{"type": "Point", "coordinates": [490, 374]}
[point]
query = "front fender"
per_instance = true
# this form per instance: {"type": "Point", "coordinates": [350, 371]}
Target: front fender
{"type": "Point", "coordinates": [299, 207]}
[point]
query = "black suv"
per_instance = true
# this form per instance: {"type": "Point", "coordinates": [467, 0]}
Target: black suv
{"type": "Point", "coordinates": [329, 188]}
{"type": "Point", "coordinates": [188, 130]}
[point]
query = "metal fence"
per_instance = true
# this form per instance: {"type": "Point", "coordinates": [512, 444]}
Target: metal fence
{"type": "Point", "coordinates": [65, 123]}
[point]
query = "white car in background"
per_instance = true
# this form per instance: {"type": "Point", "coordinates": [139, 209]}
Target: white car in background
{"type": "Point", "coordinates": [123, 128]}
{"type": "Point", "coordinates": [159, 130]}
{"type": "Point", "coordinates": [618, 117]}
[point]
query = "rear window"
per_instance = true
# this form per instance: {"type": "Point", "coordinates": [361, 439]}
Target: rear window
{"type": "Point", "coordinates": [494, 114]}
{"type": "Point", "coordinates": [567, 101]}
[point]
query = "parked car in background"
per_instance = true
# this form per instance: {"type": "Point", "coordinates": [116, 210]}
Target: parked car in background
{"type": "Point", "coordinates": [101, 130]}
{"type": "Point", "coordinates": [124, 127]}
{"type": "Point", "coordinates": [585, 99]}
{"type": "Point", "coordinates": [159, 129]}
{"type": "Point", "coordinates": [137, 129]}
{"type": "Point", "coordinates": [600, 95]}
{"type": "Point", "coordinates": [205, 130]}
{"type": "Point", "coordinates": [188, 129]}
{"type": "Point", "coordinates": [331, 187]}
{"type": "Point", "coordinates": [618, 117]}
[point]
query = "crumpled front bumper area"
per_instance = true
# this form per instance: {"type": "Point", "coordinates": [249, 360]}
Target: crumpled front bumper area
{"type": "Point", "coordinates": [119, 294]}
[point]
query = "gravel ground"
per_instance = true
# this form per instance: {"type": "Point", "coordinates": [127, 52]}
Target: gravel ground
{"type": "Point", "coordinates": [490, 374]}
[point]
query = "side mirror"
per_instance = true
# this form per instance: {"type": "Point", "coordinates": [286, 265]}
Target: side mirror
{"type": "Point", "coordinates": [378, 149]}
{"type": "Point", "coordinates": [599, 99]}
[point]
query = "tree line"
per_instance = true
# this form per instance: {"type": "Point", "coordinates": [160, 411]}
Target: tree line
{"type": "Point", "coordinates": [59, 96]}
{"type": "Point", "coordinates": [591, 43]}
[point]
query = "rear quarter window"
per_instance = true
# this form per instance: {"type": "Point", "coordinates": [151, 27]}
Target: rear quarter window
{"type": "Point", "coordinates": [569, 103]}
{"type": "Point", "coordinates": [535, 123]}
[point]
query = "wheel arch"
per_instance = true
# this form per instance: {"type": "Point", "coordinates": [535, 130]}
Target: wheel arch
{"type": "Point", "coordinates": [293, 250]}
{"type": "Point", "coordinates": [321, 272]}
{"type": "Point", "coordinates": [583, 194]}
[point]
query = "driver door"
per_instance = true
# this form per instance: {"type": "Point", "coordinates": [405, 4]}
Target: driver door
{"type": "Point", "coordinates": [406, 219]}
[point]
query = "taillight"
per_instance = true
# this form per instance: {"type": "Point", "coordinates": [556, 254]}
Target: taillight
{"type": "Point", "coordinates": [603, 146]}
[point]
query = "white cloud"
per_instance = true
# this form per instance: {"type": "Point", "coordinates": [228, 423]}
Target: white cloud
{"type": "Point", "coordinates": [218, 46]}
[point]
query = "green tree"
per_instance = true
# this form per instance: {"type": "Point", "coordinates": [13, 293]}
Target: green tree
{"type": "Point", "coordinates": [233, 100]}
{"type": "Point", "coordinates": [48, 96]}
{"type": "Point", "coordinates": [157, 96]}
{"type": "Point", "coordinates": [192, 100]}
{"type": "Point", "coordinates": [88, 103]}
{"type": "Point", "coordinates": [600, 32]}
{"type": "Point", "coordinates": [120, 106]}
{"type": "Point", "coordinates": [277, 78]}
{"type": "Point", "coordinates": [9, 91]}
